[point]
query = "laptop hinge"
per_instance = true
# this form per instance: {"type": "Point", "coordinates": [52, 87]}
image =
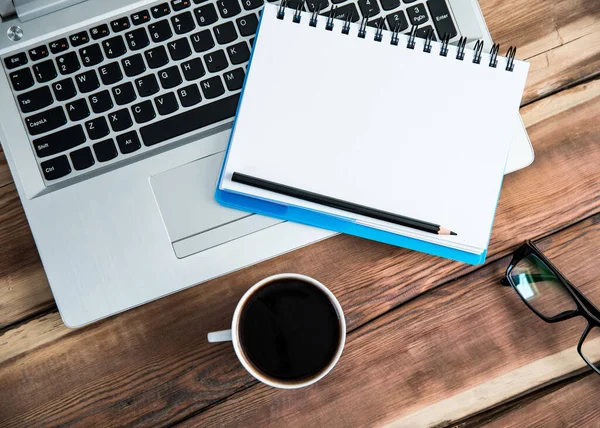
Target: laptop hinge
{"type": "Point", "coordinates": [7, 8]}
{"type": "Point", "coordinates": [30, 9]}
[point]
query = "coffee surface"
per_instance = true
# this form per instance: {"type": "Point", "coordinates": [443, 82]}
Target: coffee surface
{"type": "Point", "coordinates": [289, 330]}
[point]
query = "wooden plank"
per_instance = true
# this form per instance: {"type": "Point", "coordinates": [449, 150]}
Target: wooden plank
{"type": "Point", "coordinates": [23, 284]}
{"type": "Point", "coordinates": [152, 365]}
{"type": "Point", "coordinates": [575, 404]}
{"type": "Point", "coordinates": [453, 352]}
{"type": "Point", "coordinates": [561, 53]}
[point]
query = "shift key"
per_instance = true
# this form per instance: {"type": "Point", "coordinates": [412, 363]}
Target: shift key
{"type": "Point", "coordinates": [46, 121]}
{"type": "Point", "coordinates": [60, 141]}
{"type": "Point", "coordinates": [441, 18]}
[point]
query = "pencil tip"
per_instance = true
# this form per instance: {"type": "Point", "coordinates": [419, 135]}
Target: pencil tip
{"type": "Point", "coordinates": [453, 233]}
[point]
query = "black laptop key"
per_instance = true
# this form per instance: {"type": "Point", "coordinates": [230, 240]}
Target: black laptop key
{"type": "Point", "coordinates": [100, 32]}
{"type": "Point", "coordinates": [336, 1]}
{"type": "Point", "coordinates": [213, 87]}
{"type": "Point", "coordinates": [133, 65]}
{"type": "Point", "coordinates": [21, 79]}
{"type": "Point", "coordinates": [189, 121]}
{"type": "Point", "coordinates": [140, 17]}
{"type": "Point", "coordinates": [206, 15]}
{"type": "Point", "coordinates": [293, 4]}
{"type": "Point", "coordinates": [170, 77]}
{"type": "Point", "coordinates": [247, 25]}
{"type": "Point", "coordinates": [56, 168]}
{"type": "Point", "coordinates": [314, 4]}
{"type": "Point", "coordinates": [390, 4]}
{"type": "Point", "coordinates": [143, 112]}
{"type": "Point", "coordinates": [368, 7]}
{"type": "Point", "coordinates": [202, 41]}
{"type": "Point", "coordinates": [35, 100]}
{"type": "Point", "coordinates": [124, 94]}
{"type": "Point", "coordinates": [59, 46]}
{"type": "Point", "coordinates": [183, 23]}
{"type": "Point", "coordinates": [238, 53]}
{"type": "Point", "coordinates": [110, 73]}
{"type": "Point", "coordinates": [87, 82]}
{"type": "Point", "coordinates": [423, 31]}
{"type": "Point", "coordinates": [189, 95]}
{"type": "Point", "coordinates": [97, 128]}
{"type": "Point", "coordinates": [120, 24]}
{"type": "Point", "coordinates": [46, 121]}
{"type": "Point", "coordinates": [160, 10]}
{"type": "Point", "coordinates": [58, 142]}
{"type": "Point", "coordinates": [38, 53]}
{"type": "Point", "coordinates": [377, 23]}
{"type": "Point", "coordinates": [160, 31]}
{"type": "Point", "coordinates": [156, 57]}
{"type": "Point", "coordinates": [79, 39]}
{"type": "Point", "coordinates": [348, 11]}
{"type": "Point", "coordinates": [101, 102]}
{"type": "Point", "coordinates": [193, 69]}
{"type": "Point", "coordinates": [114, 47]}
{"type": "Point", "coordinates": [64, 89]}
{"type": "Point", "coordinates": [397, 21]}
{"type": "Point", "coordinates": [77, 110]}
{"type": "Point", "coordinates": [225, 33]}
{"type": "Point", "coordinates": [215, 61]}
{"type": "Point", "coordinates": [441, 18]}
{"type": "Point", "coordinates": [44, 71]}
{"type": "Point", "coordinates": [82, 159]}
{"type": "Point", "coordinates": [137, 39]}
{"type": "Point", "coordinates": [179, 49]}
{"type": "Point", "coordinates": [228, 8]}
{"type": "Point", "coordinates": [91, 55]}
{"type": "Point", "coordinates": [15, 61]}
{"type": "Point", "coordinates": [417, 14]}
{"type": "Point", "coordinates": [105, 150]}
{"type": "Point", "coordinates": [166, 104]}
{"type": "Point", "coordinates": [234, 79]}
{"type": "Point", "coordinates": [120, 120]}
{"type": "Point", "coordinates": [147, 85]}
{"type": "Point", "coordinates": [68, 63]}
{"type": "Point", "coordinates": [178, 5]}
{"type": "Point", "coordinates": [128, 142]}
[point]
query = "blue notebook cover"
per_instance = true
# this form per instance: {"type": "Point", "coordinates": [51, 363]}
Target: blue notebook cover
{"type": "Point", "coordinates": [316, 218]}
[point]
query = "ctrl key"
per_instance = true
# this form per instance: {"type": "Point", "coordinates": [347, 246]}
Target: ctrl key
{"type": "Point", "coordinates": [56, 168]}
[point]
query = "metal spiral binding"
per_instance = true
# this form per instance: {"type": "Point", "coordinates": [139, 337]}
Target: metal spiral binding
{"type": "Point", "coordinates": [329, 24]}
{"type": "Point", "coordinates": [512, 52]}
{"type": "Point", "coordinates": [346, 26]}
{"type": "Point", "coordinates": [379, 32]}
{"type": "Point", "coordinates": [460, 53]}
{"type": "Point", "coordinates": [395, 34]}
{"type": "Point", "coordinates": [478, 51]}
{"type": "Point", "coordinates": [412, 37]}
{"type": "Point", "coordinates": [428, 40]}
{"type": "Point", "coordinates": [315, 14]}
{"type": "Point", "coordinates": [298, 15]}
{"type": "Point", "coordinates": [445, 42]}
{"type": "Point", "coordinates": [281, 10]}
{"type": "Point", "coordinates": [494, 55]}
{"type": "Point", "coordinates": [362, 30]}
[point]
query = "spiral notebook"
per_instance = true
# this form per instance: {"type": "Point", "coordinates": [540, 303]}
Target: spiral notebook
{"type": "Point", "coordinates": [324, 110]}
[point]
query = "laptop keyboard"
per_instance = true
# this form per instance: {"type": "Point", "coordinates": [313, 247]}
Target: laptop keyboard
{"type": "Point", "coordinates": [119, 88]}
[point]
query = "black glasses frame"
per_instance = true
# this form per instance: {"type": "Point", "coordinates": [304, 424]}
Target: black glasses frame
{"type": "Point", "coordinates": [585, 308]}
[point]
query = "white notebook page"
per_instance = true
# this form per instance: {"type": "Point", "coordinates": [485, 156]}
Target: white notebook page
{"type": "Point", "coordinates": [384, 126]}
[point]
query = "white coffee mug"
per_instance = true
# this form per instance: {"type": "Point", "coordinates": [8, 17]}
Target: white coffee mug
{"type": "Point", "coordinates": [233, 334]}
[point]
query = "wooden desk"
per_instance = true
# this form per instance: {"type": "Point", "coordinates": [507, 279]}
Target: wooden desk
{"type": "Point", "coordinates": [430, 342]}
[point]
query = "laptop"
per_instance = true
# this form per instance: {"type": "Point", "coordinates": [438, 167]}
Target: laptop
{"type": "Point", "coordinates": [115, 117]}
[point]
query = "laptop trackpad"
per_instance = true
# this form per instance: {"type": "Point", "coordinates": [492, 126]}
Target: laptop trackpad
{"type": "Point", "coordinates": [194, 220]}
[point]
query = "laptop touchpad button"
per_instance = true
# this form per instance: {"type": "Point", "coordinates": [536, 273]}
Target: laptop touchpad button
{"type": "Point", "coordinates": [194, 220]}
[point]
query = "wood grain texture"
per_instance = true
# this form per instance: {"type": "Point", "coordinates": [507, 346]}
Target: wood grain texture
{"type": "Point", "coordinates": [148, 366]}
{"type": "Point", "coordinates": [450, 353]}
{"type": "Point", "coordinates": [544, 35]}
{"type": "Point", "coordinates": [573, 405]}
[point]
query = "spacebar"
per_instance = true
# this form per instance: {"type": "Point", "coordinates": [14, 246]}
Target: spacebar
{"type": "Point", "coordinates": [189, 121]}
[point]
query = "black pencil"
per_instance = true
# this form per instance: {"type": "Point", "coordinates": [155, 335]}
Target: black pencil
{"type": "Point", "coordinates": [339, 204]}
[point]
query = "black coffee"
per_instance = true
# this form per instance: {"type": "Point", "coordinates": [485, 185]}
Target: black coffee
{"type": "Point", "coordinates": [289, 330]}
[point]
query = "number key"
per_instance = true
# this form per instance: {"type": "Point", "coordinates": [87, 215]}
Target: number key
{"type": "Point", "coordinates": [160, 31]}
{"type": "Point", "coordinates": [397, 21]}
{"type": "Point", "coordinates": [417, 14]}
{"type": "Point", "coordinates": [44, 71]}
{"type": "Point", "coordinates": [368, 7]}
{"type": "Point", "coordinates": [206, 15]}
{"type": "Point", "coordinates": [114, 47]}
{"type": "Point", "coordinates": [137, 39]}
{"type": "Point", "coordinates": [183, 23]}
{"type": "Point", "coordinates": [254, 4]}
{"type": "Point", "coordinates": [68, 63]}
{"type": "Point", "coordinates": [390, 4]}
{"type": "Point", "coordinates": [228, 8]}
{"type": "Point", "coordinates": [92, 55]}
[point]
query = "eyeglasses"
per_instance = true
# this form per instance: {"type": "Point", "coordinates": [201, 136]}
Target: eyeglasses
{"type": "Point", "coordinates": [553, 298]}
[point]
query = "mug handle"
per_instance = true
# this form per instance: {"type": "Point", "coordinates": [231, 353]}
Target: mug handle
{"type": "Point", "coordinates": [220, 336]}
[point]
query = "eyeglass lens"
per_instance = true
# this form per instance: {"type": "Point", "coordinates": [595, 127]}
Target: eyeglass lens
{"type": "Point", "coordinates": [539, 286]}
{"type": "Point", "coordinates": [590, 348]}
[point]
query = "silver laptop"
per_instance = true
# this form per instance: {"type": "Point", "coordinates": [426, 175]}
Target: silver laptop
{"type": "Point", "coordinates": [115, 116]}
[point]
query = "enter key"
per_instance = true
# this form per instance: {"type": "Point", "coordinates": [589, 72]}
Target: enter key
{"type": "Point", "coordinates": [441, 18]}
